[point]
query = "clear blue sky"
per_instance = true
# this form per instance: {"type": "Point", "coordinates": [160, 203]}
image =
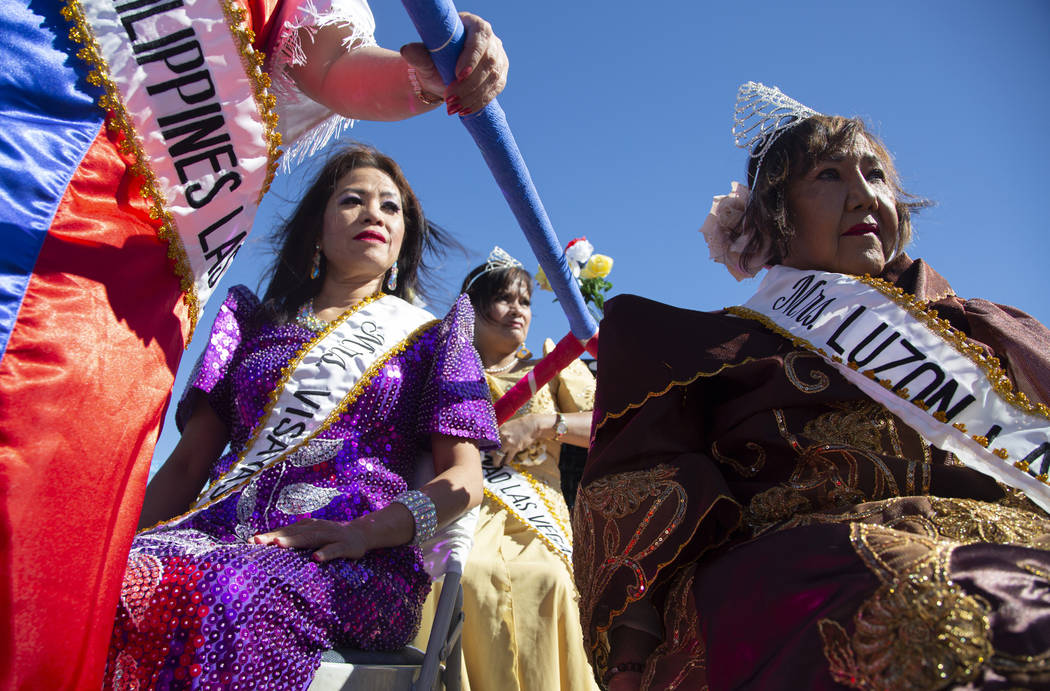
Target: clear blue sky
{"type": "Point", "coordinates": [623, 115]}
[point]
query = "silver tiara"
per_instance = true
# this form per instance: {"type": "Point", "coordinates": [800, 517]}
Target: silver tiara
{"type": "Point", "coordinates": [498, 259]}
{"type": "Point", "coordinates": [763, 113]}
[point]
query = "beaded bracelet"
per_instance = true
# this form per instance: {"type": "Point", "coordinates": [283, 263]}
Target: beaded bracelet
{"type": "Point", "coordinates": [622, 667]}
{"type": "Point", "coordinates": [423, 513]}
{"type": "Point", "coordinates": [417, 88]}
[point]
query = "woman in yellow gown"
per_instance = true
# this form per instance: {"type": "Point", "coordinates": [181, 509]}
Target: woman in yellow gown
{"type": "Point", "coordinates": [522, 628]}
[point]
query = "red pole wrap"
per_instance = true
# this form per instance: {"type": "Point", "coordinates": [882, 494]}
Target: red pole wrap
{"type": "Point", "coordinates": [567, 350]}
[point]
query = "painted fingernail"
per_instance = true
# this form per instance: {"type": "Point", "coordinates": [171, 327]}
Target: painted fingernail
{"type": "Point", "coordinates": [468, 111]}
{"type": "Point", "coordinates": [465, 73]}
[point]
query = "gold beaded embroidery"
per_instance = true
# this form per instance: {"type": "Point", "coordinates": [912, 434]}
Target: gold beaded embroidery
{"type": "Point", "coordinates": [602, 552]}
{"type": "Point", "coordinates": [918, 630]}
{"type": "Point", "coordinates": [967, 520]}
{"type": "Point", "coordinates": [858, 424]}
{"type": "Point", "coordinates": [745, 470]}
{"type": "Point", "coordinates": [852, 433]}
{"type": "Point", "coordinates": [681, 635]}
{"type": "Point", "coordinates": [830, 469]}
{"type": "Point", "coordinates": [820, 380]}
{"type": "Point", "coordinates": [776, 504]}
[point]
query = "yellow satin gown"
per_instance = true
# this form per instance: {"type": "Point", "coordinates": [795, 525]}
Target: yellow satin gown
{"type": "Point", "coordinates": [522, 622]}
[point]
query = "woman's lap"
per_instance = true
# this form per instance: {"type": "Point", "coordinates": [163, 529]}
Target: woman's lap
{"type": "Point", "coordinates": [243, 615]}
{"type": "Point", "coordinates": [868, 606]}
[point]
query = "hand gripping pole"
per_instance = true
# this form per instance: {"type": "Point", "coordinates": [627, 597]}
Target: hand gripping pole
{"type": "Point", "coordinates": [442, 33]}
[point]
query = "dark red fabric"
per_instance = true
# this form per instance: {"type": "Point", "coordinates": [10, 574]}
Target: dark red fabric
{"type": "Point", "coordinates": [712, 435]}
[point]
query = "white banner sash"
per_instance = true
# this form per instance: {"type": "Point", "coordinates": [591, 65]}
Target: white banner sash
{"type": "Point", "coordinates": [522, 496]}
{"type": "Point", "coordinates": [322, 380]}
{"type": "Point", "coordinates": [915, 365]}
{"type": "Point", "coordinates": [185, 85]}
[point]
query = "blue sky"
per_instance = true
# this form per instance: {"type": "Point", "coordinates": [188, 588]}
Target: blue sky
{"type": "Point", "coordinates": [624, 116]}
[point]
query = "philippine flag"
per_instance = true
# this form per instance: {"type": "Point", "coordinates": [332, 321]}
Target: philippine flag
{"type": "Point", "coordinates": [92, 327]}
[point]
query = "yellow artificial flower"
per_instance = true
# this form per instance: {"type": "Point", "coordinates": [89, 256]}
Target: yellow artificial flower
{"type": "Point", "coordinates": [598, 266]}
{"type": "Point", "coordinates": [541, 279]}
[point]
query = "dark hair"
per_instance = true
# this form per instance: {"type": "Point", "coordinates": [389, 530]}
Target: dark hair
{"type": "Point", "coordinates": [296, 240]}
{"type": "Point", "coordinates": [791, 156]}
{"type": "Point", "coordinates": [483, 287]}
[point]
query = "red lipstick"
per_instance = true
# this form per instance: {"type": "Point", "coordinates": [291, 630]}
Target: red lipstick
{"type": "Point", "coordinates": [863, 229]}
{"type": "Point", "coordinates": [371, 236]}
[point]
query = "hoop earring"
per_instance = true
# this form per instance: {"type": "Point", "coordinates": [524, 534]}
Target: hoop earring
{"type": "Point", "coordinates": [315, 270]}
{"type": "Point", "coordinates": [391, 281]}
{"type": "Point", "coordinates": [523, 352]}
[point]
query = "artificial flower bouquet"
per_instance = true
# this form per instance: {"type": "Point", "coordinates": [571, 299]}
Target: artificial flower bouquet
{"type": "Point", "coordinates": [589, 270]}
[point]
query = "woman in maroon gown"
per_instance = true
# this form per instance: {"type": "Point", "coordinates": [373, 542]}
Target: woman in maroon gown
{"type": "Point", "coordinates": [753, 517]}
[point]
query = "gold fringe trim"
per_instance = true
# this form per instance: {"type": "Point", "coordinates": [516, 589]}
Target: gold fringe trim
{"type": "Point", "coordinates": [673, 384]}
{"type": "Point", "coordinates": [998, 378]}
{"type": "Point", "coordinates": [118, 119]}
{"type": "Point", "coordinates": [253, 60]}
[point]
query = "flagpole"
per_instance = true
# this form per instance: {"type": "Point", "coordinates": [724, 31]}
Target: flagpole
{"type": "Point", "coordinates": [443, 34]}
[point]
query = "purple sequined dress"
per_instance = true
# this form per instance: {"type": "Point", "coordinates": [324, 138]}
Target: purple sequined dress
{"type": "Point", "coordinates": [202, 607]}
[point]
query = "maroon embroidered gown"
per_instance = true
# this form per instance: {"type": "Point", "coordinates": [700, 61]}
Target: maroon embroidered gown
{"type": "Point", "coordinates": [790, 532]}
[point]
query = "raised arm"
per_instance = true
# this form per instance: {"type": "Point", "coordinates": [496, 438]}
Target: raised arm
{"type": "Point", "coordinates": [182, 476]}
{"type": "Point", "coordinates": [373, 83]}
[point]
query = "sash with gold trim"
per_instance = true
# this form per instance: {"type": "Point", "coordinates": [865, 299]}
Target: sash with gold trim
{"type": "Point", "coordinates": [916, 365]}
{"type": "Point", "coordinates": [184, 84]}
{"type": "Point", "coordinates": [322, 380]}
{"type": "Point", "coordinates": [516, 491]}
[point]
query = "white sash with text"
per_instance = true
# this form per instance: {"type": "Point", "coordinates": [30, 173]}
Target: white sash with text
{"type": "Point", "coordinates": [182, 77]}
{"type": "Point", "coordinates": [520, 494]}
{"type": "Point", "coordinates": [325, 375]}
{"type": "Point", "coordinates": [897, 360]}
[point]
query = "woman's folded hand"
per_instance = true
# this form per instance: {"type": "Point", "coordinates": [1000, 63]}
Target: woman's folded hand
{"type": "Point", "coordinates": [518, 434]}
{"type": "Point", "coordinates": [329, 539]}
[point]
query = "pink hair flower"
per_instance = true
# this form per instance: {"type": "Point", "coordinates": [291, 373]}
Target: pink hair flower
{"type": "Point", "coordinates": [727, 210]}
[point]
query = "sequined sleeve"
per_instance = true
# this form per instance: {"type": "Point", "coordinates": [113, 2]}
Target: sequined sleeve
{"type": "Point", "coordinates": [456, 397]}
{"type": "Point", "coordinates": [210, 374]}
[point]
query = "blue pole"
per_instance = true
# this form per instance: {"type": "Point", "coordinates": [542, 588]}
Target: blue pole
{"type": "Point", "coordinates": [442, 32]}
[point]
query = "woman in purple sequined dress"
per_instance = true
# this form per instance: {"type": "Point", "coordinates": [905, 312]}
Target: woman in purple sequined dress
{"type": "Point", "coordinates": [312, 546]}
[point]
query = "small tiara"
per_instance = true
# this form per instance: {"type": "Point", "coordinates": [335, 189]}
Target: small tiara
{"type": "Point", "coordinates": [498, 259]}
{"type": "Point", "coordinates": [762, 114]}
